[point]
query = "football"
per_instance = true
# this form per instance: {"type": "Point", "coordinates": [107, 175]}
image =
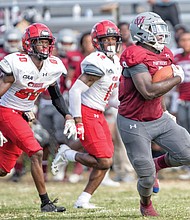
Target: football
{"type": "Point", "coordinates": [163, 74]}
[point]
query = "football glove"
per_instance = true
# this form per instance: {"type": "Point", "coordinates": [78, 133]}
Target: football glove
{"type": "Point", "coordinates": [178, 71]}
{"type": "Point", "coordinates": [70, 129]}
{"type": "Point", "coordinates": [80, 130]}
{"type": "Point", "coordinates": [2, 139]}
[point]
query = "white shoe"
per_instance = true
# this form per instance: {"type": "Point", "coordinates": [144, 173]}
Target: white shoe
{"type": "Point", "coordinates": [109, 182]}
{"type": "Point", "coordinates": [84, 205]}
{"type": "Point", "coordinates": [185, 176]}
{"type": "Point", "coordinates": [75, 178]}
{"type": "Point", "coordinates": [59, 159]}
{"type": "Point", "coordinates": [61, 173]}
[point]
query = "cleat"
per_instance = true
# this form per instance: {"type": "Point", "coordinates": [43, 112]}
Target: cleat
{"type": "Point", "coordinates": [84, 205]}
{"type": "Point", "coordinates": [50, 207]}
{"type": "Point", "coordinates": [156, 186]}
{"type": "Point", "coordinates": [59, 159]}
{"type": "Point", "coordinates": [185, 176]}
{"type": "Point", "coordinates": [148, 210]}
{"type": "Point", "coordinates": [109, 182]}
{"type": "Point", "coordinates": [75, 178]}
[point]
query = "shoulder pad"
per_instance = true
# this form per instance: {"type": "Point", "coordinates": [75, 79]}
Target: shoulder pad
{"type": "Point", "coordinates": [93, 70]}
{"type": "Point", "coordinates": [132, 55]}
{"type": "Point", "coordinates": [5, 67]}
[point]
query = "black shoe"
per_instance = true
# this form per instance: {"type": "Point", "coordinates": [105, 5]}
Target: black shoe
{"type": "Point", "coordinates": [50, 207]}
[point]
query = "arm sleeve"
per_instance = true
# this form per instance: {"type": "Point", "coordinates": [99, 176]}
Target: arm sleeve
{"type": "Point", "coordinates": [75, 97]}
{"type": "Point", "coordinates": [139, 68]}
{"type": "Point", "coordinates": [57, 100]}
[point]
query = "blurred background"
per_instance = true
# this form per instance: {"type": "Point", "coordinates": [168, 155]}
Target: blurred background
{"type": "Point", "coordinates": [77, 15]}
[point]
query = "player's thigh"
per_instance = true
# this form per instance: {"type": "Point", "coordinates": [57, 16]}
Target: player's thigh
{"type": "Point", "coordinates": [137, 144]}
{"type": "Point", "coordinates": [175, 139]}
{"type": "Point", "coordinates": [98, 139]}
{"type": "Point", "coordinates": [18, 133]}
{"type": "Point", "coordinates": [8, 156]}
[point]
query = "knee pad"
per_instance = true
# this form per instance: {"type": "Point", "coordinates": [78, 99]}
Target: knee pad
{"type": "Point", "coordinates": [146, 182]}
{"type": "Point", "coordinates": [144, 167]}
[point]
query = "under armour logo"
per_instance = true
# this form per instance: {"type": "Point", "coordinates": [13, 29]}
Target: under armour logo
{"type": "Point", "coordinates": [132, 126]}
{"type": "Point", "coordinates": [167, 55]}
{"type": "Point", "coordinates": [96, 116]}
{"type": "Point", "coordinates": [110, 71]}
{"type": "Point", "coordinates": [44, 74]}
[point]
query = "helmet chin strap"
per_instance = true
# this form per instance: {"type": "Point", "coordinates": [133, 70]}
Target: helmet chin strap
{"type": "Point", "coordinates": [40, 56]}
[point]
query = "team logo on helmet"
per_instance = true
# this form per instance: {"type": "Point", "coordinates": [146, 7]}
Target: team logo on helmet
{"type": "Point", "coordinates": [44, 33]}
{"type": "Point", "coordinates": [111, 31]}
{"type": "Point", "coordinates": [139, 20]}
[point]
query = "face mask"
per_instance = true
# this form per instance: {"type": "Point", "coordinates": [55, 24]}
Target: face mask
{"type": "Point", "coordinates": [111, 51]}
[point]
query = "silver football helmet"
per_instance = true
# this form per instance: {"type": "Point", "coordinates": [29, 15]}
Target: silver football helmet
{"type": "Point", "coordinates": [12, 40]}
{"type": "Point", "coordinates": [66, 41]}
{"type": "Point", "coordinates": [150, 29]}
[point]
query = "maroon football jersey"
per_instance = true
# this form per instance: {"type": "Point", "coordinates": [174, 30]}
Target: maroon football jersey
{"type": "Point", "coordinates": [132, 103]}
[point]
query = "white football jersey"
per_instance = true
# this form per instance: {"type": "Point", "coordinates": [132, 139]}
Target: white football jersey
{"type": "Point", "coordinates": [29, 81]}
{"type": "Point", "coordinates": [97, 96]}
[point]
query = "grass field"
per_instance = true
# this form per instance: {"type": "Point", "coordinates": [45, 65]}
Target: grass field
{"type": "Point", "coordinates": [20, 201]}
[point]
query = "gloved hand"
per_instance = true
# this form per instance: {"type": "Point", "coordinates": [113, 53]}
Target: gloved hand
{"type": "Point", "coordinates": [178, 71]}
{"type": "Point", "coordinates": [70, 128]}
{"type": "Point", "coordinates": [80, 130]}
{"type": "Point", "coordinates": [2, 139]}
{"type": "Point", "coordinates": [171, 116]}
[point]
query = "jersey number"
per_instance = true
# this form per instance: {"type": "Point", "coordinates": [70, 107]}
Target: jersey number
{"type": "Point", "coordinates": [110, 89]}
{"type": "Point", "coordinates": [29, 94]}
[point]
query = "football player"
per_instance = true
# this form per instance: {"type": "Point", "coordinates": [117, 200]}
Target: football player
{"type": "Point", "coordinates": [142, 117]}
{"type": "Point", "coordinates": [25, 75]}
{"type": "Point", "coordinates": [11, 42]}
{"type": "Point", "coordinates": [92, 91]}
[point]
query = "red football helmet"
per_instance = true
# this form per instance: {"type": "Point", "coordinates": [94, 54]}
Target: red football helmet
{"type": "Point", "coordinates": [103, 29]}
{"type": "Point", "coordinates": [32, 35]}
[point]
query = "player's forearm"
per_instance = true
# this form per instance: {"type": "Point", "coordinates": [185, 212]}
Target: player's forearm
{"type": "Point", "coordinates": [75, 97]}
{"type": "Point", "coordinates": [58, 101]}
{"type": "Point", "coordinates": [4, 87]}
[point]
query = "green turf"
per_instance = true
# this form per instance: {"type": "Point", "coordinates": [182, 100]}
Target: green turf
{"type": "Point", "coordinates": [20, 201]}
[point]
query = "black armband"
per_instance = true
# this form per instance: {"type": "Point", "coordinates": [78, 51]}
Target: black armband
{"type": "Point", "coordinates": [57, 100]}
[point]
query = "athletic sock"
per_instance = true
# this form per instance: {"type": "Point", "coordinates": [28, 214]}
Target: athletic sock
{"type": "Point", "coordinates": [161, 163]}
{"type": "Point", "coordinates": [44, 199]}
{"type": "Point", "coordinates": [85, 197]}
{"type": "Point", "coordinates": [70, 155]}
